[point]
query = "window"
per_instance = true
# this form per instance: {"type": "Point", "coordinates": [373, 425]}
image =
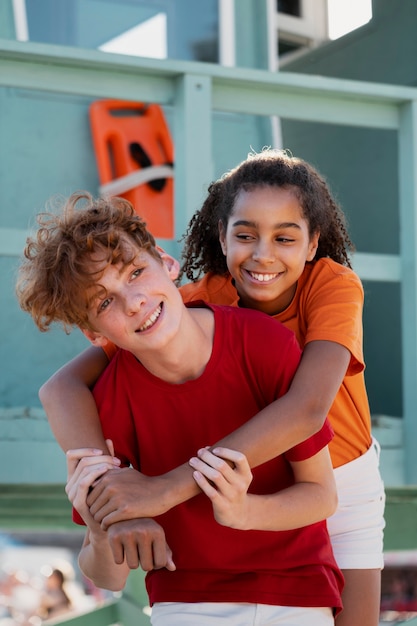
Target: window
{"type": "Point", "coordinates": [177, 29]}
{"type": "Point", "coordinates": [289, 7]}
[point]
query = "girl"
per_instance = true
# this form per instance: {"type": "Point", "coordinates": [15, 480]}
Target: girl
{"type": "Point", "coordinates": [270, 236]}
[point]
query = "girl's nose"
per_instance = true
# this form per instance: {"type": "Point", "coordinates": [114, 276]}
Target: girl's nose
{"type": "Point", "coordinates": [263, 253]}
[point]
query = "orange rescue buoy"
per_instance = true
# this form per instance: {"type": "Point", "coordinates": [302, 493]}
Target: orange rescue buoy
{"type": "Point", "coordinates": [135, 156]}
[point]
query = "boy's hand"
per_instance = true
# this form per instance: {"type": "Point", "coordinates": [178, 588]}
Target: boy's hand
{"type": "Point", "coordinates": [226, 486]}
{"type": "Point", "coordinates": [125, 493]}
{"type": "Point", "coordinates": [142, 543]}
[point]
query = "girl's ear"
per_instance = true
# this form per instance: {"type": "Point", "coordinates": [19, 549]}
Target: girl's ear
{"type": "Point", "coordinates": [170, 263]}
{"type": "Point", "coordinates": [312, 246]}
{"type": "Point", "coordinates": [222, 238]}
{"type": "Point", "coordinates": [95, 338]}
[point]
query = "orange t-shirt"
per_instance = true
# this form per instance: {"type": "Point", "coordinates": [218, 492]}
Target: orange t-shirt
{"type": "Point", "coordinates": [327, 306]}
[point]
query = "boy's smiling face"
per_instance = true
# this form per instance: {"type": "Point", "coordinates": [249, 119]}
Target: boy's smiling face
{"type": "Point", "coordinates": [135, 305]}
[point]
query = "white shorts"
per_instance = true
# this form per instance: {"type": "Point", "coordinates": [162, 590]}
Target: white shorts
{"type": "Point", "coordinates": [237, 614]}
{"type": "Point", "coordinates": [357, 528]}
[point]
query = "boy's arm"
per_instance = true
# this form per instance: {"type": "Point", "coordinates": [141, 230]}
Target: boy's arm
{"type": "Point", "coordinates": [96, 558]}
{"type": "Point", "coordinates": [97, 563]}
{"type": "Point", "coordinates": [312, 498]}
{"type": "Point", "coordinates": [107, 557]}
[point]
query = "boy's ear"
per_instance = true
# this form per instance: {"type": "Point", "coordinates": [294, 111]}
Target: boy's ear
{"type": "Point", "coordinates": [170, 263]}
{"type": "Point", "coordinates": [95, 338]}
{"type": "Point", "coordinates": [222, 238]}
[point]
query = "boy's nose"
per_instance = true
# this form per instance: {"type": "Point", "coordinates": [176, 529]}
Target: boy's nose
{"type": "Point", "coordinates": [134, 302]}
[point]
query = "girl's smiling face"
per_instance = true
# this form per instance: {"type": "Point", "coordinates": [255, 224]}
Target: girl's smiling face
{"type": "Point", "coordinates": [267, 244]}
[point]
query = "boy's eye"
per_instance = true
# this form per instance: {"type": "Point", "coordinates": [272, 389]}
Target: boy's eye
{"type": "Point", "coordinates": [137, 272]}
{"type": "Point", "coordinates": [104, 304]}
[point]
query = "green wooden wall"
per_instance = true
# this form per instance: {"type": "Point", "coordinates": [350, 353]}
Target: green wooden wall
{"type": "Point", "coordinates": [361, 166]}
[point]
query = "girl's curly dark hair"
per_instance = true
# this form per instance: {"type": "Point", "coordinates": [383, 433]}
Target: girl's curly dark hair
{"type": "Point", "coordinates": [202, 252]}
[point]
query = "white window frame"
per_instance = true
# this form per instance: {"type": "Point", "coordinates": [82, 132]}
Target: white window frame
{"type": "Point", "coordinates": [311, 28]}
{"type": "Point", "coordinates": [20, 20]}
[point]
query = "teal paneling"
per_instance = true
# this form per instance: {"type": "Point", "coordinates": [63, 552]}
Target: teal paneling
{"type": "Point", "coordinates": [49, 152]}
{"type": "Point", "coordinates": [251, 50]}
{"type": "Point", "coordinates": [363, 179]}
{"type": "Point", "coordinates": [192, 27]}
{"type": "Point", "coordinates": [363, 168]}
{"type": "Point", "coordinates": [27, 357]}
{"type": "Point", "coordinates": [407, 167]}
{"type": "Point", "coordinates": [192, 99]}
{"type": "Point", "coordinates": [383, 50]}
{"type": "Point", "coordinates": [250, 33]}
{"type": "Point", "coordinates": [383, 347]}
{"type": "Point", "coordinates": [25, 435]}
{"type": "Point", "coordinates": [7, 29]}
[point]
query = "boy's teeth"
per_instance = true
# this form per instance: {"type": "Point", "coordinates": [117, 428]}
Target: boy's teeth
{"type": "Point", "coordinates": [262, 277]}
{"type": "Point", "coordinates": [151, 321]}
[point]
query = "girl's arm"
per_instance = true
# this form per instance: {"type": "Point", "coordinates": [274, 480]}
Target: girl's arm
{"type": "Point", "coordinates": [283, 424]}
{"type": "Point", "coordinates": [310, 499]}
{"type": "Point", "coordinates": [301, 412]}
{"type": "Point", "coordinates": [69, 404]}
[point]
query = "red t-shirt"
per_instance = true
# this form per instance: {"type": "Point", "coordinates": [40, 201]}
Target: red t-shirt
{"type": "Point", "coordinates": [156, 426]}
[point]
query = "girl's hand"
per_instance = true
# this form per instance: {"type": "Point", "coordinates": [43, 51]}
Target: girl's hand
{"type": "Point", "coordinates": [225, 484]}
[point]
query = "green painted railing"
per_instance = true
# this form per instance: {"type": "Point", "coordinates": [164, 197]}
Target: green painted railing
{"type": "Point", "coordinates": [42, 507]}
{"type": "Point", "coordinates": [123, 612]}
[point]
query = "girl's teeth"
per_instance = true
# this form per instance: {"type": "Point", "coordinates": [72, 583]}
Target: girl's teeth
{"type": "Point", "coordinates": [151, 321]}
{"type": "Point", "coordinates": [263, 277]}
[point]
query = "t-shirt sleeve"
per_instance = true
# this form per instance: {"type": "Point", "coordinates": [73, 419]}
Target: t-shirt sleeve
{"type": "Point", "coordinates": [110, 350]}
{"type": "Point", "coordinates": [334, 312]}
{"type": "Point", "coordinates": [76, 518]}
{"type": "Point", "coordinates": [312, 445]}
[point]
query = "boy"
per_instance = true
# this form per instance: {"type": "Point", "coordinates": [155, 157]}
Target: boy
{"type": "Point", "coordinates": [183, 378]}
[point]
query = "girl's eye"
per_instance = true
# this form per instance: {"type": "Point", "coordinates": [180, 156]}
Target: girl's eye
{"type": "Point", "coordinates": [285, 240]}
{"type": "Point", "coordinates": [244, 237]}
